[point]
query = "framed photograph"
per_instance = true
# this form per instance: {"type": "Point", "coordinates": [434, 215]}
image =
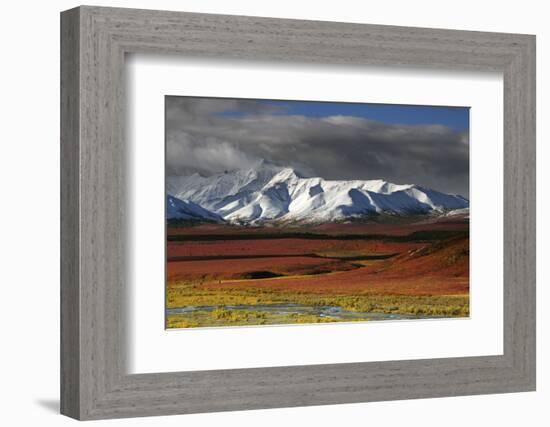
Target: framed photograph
{"type": "Point", "coordinates": [262, 213]}
{"type": "Point", "coordinates": [271, 217]}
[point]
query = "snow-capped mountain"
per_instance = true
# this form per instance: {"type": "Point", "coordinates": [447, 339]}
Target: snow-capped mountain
{"type": "Point", "coordinates": [268, 192]}
{"type": "Point", "coordinates": [186, 209]}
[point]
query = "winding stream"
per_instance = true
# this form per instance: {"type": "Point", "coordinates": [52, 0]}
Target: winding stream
{"type": "Point", "coordinates": [334, 312]}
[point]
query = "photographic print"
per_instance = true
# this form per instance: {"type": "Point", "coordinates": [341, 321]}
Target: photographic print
{"type": "Point", "coordinates": [301, 212]}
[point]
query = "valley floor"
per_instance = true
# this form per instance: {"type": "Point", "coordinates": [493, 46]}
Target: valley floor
{"type": "Point", "coordinates": [221, 275]}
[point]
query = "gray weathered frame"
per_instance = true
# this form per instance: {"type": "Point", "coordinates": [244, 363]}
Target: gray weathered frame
{"type": "Point", "coordinates": [94, 41]}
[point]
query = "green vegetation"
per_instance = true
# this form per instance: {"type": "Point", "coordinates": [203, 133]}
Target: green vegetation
{"type": "Point", "coordinates": [191, 295]}
{"type": "Point", "coordinates": [224, 317]}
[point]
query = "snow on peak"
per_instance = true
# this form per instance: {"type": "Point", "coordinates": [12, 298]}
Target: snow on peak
{"type": "Point", "coordinates": [284, 175]}
{"type": "Point", "coordinates": [268, 192]}
{"type": "Point", "coordinates": [187, 210]}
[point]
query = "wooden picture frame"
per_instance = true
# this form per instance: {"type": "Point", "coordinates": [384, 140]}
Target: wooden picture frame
{"type": "Point", "coordinates": [94, 382]}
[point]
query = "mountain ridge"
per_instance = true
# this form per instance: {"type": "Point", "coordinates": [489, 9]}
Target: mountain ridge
{"type": "Point", "coordinates": [188, 210]}
{"type": "Point", "coordinates": [270, 193]}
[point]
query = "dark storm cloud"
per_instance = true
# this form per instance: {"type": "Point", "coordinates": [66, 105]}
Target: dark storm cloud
{"type": "Point", "coordinates": [208, 136]}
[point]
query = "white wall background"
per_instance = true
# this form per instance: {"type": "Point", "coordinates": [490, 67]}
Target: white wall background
{"type": "Point", "coordinates": [29, 225]}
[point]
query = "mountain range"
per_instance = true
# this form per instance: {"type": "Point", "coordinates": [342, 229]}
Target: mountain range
{"type": "Point", "coordinates": [268, 193]}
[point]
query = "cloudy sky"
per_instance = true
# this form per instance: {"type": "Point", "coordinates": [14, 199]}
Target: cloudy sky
{"type": "Point", "coordinates": [403, 144]}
